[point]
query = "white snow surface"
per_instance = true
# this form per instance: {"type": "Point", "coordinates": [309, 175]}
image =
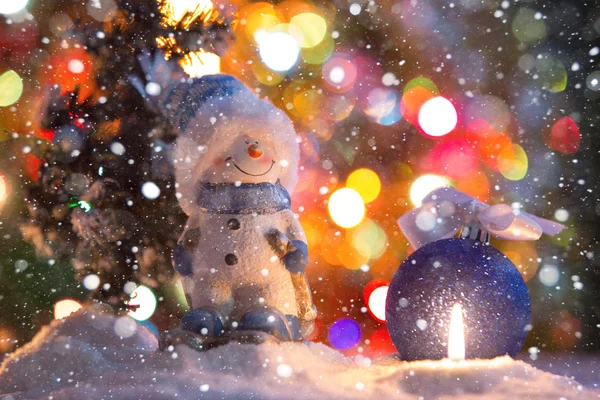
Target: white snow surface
{"type": "Point", "coordinates": [81, 357]}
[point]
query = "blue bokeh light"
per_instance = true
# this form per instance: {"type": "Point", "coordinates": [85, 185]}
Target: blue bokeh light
{"type": "Point", "coordinates": [344, 334]}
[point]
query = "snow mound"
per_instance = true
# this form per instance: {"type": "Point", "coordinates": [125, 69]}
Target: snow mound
{"type": "Point", "coordinates": [96, 355]}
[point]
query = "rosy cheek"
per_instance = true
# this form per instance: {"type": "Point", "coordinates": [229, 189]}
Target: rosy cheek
{"type": "Point", "coordinates": [219, 162]}
{"type": "Point", "coordinates": [268, 158]}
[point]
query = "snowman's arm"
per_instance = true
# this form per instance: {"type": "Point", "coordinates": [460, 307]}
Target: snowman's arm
{"type": "Point", "coordinates": [296, 259]}
{"type": "Point", "coordinates": [182, 255]}
{"type": "Point", "coordinates": [295, 262]}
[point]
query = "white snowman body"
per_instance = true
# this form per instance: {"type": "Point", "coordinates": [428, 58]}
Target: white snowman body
{"type": "Point", "coordinates": [234, 267]}
{"type": "Point", "coordinates": [236, 162]}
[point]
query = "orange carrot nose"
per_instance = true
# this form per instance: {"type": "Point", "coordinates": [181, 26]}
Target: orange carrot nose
{"type": "Point", "coordinates": [254, 151]}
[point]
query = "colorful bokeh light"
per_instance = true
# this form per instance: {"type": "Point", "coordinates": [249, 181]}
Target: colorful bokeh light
{"type": "Point", "coordinates": [487, 111]}
{"type": "Point", "coordinates": [3, 188]}
{"type": "Point", "coordinates": [346, 207]}
{"type": "Point", "coordinates": [308, 29]}
{"type": "Point", "coordinates": [421, 82]}
{"type": "Point", "coordinates": [60, 74]}
{"type": "Point", "coordinates": [437, 117]}
{"type": "Point", "coordinates": [318, 54]}
{"type": "Point", "coordinates": [380, 344]}
{"type": "Point", "coordinates": [371, 286]}
{"type": "Point", "coordinates": [366, 183]}
{"type": "Point", "coordinates": [454, 158]}
{"type": "Point", "coordinates": [142, 303]}
{"type": "Point", "coordinates": [566, 330]}
{"type": "Point", "coordinates": [476, 185]}
{"type": "Point", "coordinates": [424, 185]}
{"type": "Point", "coordinates": [528, 26]}
{"type": "Point", "coordinates": [549, 275]}
{"type": "Point", "coordinates": [7, 340]}
{"type": "Point", "coordinates": [344, 334]}
{"type": "Point", "coordinates": [369, 239]}
{"type": "Point", "coordinates": [349, 256]}
{"type": "Point", "coordinates": [340, 106]}
{"type": "Point", "coordinates": [565, 136]}
{"type": "Point", "coordinates": [522, 254]}
{"type": "Point", "coordinates": [552, 73]}
{"type": "Point", "coordinates": [267, 76]}
{"type": "Point", "coordinates": [339, 73]}
{"type": "Point", "coordinates": [8, 7]}
{"type": "Point", "coordinates": [383, 106]}
{"type": "Point", "coordinates": [258, 18]}
{"type": "Point", "coordinates": [278, 50]}
{"type": "Point", "coordinates": [376, 302]}
{"type": "Point", "coordinates": [412, 101]}
{"type": "Point", "coordinates": [11, 88]}
{"type": "Point", "coordinates": [593, 81]}
{"type": "Point", "coordinates": [64, 308]}
{"type": "Point", "coordinates": [514, 166]}
{"type": "Point", "coordinates": [495, 148]}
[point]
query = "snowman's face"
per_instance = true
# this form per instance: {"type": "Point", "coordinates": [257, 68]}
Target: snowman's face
{"type": "Point", "coordinates": [247, 160]}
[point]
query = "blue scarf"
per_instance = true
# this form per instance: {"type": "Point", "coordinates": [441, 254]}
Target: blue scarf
{"type": "Point", "coordinates": [247, 198]}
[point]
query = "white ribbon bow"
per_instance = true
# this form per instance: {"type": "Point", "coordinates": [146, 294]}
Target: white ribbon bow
{"type": "Point", "coordinates": [446, 210]}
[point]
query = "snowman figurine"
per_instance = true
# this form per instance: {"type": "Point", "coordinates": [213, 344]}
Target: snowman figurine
{"type": "Point", "coordinates": [243, 253]}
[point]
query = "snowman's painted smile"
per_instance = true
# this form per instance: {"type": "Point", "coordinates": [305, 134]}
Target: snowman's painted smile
{"type": "Point", "coordinates": [247, 173]}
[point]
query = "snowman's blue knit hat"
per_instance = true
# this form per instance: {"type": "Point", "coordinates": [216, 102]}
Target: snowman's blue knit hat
{"type": "Point", "coordinates": [185, 99]}
{"type": "Point", "coordinates": [210, 113]}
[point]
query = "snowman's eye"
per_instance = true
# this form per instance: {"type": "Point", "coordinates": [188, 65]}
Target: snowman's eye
{"type": "Point", "coordinates": [256, 142]}
{"type": "Point", "coordinates": [247, 142]}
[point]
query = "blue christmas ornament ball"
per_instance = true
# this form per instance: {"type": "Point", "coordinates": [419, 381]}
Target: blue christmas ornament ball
{"type": "Point", "coordinates": [490, 289]}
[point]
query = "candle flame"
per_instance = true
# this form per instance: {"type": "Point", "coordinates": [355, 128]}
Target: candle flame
{"type": "Point", "coordinates": [456, 334]}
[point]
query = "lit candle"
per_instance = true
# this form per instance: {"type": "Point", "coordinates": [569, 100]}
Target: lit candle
{"type": "Point", "coordinates": [455, 374]}
{"type": "Point", "coordinates": [456, 335]}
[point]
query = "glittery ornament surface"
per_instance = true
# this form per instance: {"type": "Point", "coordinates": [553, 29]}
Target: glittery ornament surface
{"type": "Point", "coordinates": [493, 295]}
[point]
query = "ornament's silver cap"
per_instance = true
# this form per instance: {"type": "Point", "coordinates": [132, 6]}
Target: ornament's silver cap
{"type": "Point", "coordinates": [472, 230]}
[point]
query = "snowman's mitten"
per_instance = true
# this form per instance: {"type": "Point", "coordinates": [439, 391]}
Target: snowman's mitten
{"type": "Point", "coordinates": [182, 259]}
{"type": "Point", "coordinates": [296, 260]}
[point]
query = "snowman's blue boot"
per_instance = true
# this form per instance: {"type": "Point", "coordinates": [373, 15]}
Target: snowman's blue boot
{"type": "Point", "coordinates": [272, 321]}
{"type": "Point", "coordinates": [205, 321]}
